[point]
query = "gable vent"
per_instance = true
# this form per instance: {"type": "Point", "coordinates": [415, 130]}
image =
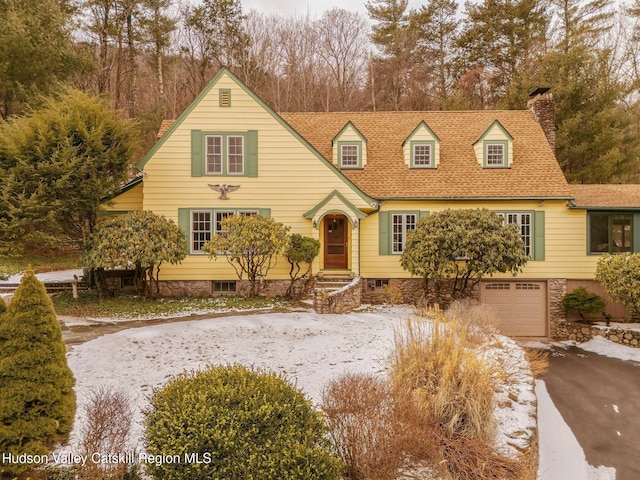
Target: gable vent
{"type": "Point", "coordinates": [225, 97]}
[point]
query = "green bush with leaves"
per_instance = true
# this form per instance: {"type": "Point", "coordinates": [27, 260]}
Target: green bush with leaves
{"type": "Point", "coordinates": [37, 401]}
{"type": "Point", "coordinates": [583, 301]}
{"type": "Point", "coordinates": [139, 240]}
{"type": "Point", "coordinates": [463, 245]}
{"type": "Point", "coordinates": [620, 276]}
{"type": "Point", "coordinates": [300, 250]}
{"type": "Point", "coordinates": [243, 424]}
{"type": "Point", "coordinates": [3, 306]}
{"type": "Point", "coordinates": [57, 164]}
{"type": "Point", "coordinates": [250, 244]}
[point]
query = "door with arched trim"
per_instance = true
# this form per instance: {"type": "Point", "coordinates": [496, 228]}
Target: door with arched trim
{"type": "Point", "coordinates": [335, 242]}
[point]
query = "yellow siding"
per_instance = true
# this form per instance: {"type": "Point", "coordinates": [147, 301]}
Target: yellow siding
{"type": "Point", "coordinates": [494, 133]}
{"type": "Point", "coordinates": [421, 134]}
{"type": "Point", "coordinates": [565, 239]}
{"type": "Point", "coordinates": [127, 201]}
{"type": "Point", "coordinates": [349, 135]}
{"type": "Point", "coordinates": [291, 179]}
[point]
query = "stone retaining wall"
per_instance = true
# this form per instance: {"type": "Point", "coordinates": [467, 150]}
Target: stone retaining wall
{"type": "Point", "coordinates": [339, 301]}
{"type": "Point", "coordinates": [580, 332]}
{"type": "Point", "coordinates": [409, 290]}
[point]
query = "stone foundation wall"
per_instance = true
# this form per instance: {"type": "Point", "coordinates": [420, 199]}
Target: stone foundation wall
{"type": "Point", "coordinates": [409, 290]}
{"type": "Point", "coordinates": [557, 288]}
{"type": "Point", "coordinates": [204, 288]}
{"type": "Point", "coordinates": [339, 301]}
{"type": "Point", "coordinates": [579, 332]}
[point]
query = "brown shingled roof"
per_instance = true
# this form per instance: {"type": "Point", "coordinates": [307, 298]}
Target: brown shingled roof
{"type": "Point", "coordinates": [164, 126]}
{"type": "Point", "coordinates": [612, 196]}
{"type": "Point", "coordinates": [535, 172]}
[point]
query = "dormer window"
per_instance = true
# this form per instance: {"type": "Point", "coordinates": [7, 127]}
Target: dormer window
{"type": "Point", "coordinates": [495, 154]}
{"type": "Point", "coordinates": [349, 155]}
{"type": "Point", "coordinates": [494, 147]}
{"type": "Point", "coordinates": [422, 155]}
{"type": "Point", "coordinates": [421, 147]}
{"type": "Point", "coordinates": [349, 148]}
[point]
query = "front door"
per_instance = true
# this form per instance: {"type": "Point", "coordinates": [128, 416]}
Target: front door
{"type": "Point", "coordinates": [335, 242]}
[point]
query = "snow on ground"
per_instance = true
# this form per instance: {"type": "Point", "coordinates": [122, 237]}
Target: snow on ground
{"type": "Point", "coordinates": [561, 456]}
{"type": "Point", "coordinates": [602, 346]}
{"type": "Point", "coordinates": [310, 349]}
{"type": "Point", "coordinates": [620, 326]}
{"type": "Point", "coordinates": [58, 276]}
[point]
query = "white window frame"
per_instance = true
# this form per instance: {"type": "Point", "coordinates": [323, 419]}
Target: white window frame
{"type": "Point", "coordinates": [241, 154]}
{"type": "Point", "coordinates": [493, 159]}
{"type": "Point", "coordinates": [199, 236]}
{"type": "Point", "coordinates": [354, 158]}
{"type": "Point", "coordinates": [405, 224]}
{"type": "Point", "coordinates": [526, 227]}
{"type": "Point", "coordinates": [213, 155]}
{"type": "Point", "coordinates": [416, 156]}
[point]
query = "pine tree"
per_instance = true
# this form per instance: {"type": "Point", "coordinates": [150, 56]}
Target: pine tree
{"type": "Point", "coordinates": [37, 401]}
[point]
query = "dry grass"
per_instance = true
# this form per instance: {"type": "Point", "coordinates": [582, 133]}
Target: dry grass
{"type": "Point", "coordinates": [393, 295]}
{"type": "Point", "coordinates": [434, 365]}
{"type": "Point", "coordinates": [538, 361]}
{"type": "Point", "coordinates": [479, 320]}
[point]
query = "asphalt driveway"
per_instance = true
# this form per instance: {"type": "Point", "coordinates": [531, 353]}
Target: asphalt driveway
{"type": "Point", "coordinates": [599, 398]}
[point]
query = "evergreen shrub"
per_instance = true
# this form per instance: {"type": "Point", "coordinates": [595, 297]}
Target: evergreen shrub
{"type": "Point", "coordinates": [37, 401]}
{"type": "Point", "coordinates": [583, 302]}
{"type": "Point", "coordinates": [242, 423]}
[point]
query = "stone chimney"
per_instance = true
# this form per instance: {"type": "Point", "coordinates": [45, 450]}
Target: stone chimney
{"type": "Point", "coordinates": [543, 106]}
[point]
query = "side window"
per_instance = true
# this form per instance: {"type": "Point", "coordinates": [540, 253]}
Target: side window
{"type": "Point", "coordinates": [524, 221]}
{"type": "Point", "coordinates": [214, 154]}
{"type": "Point", "coordinates": [200, 230]}
{"type": "Point", "coordinates": [402, 223]}
{"type": "Point", "coordinates": [235, 155]}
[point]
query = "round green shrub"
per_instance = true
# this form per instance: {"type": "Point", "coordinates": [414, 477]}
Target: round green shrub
{"type": "Point", "coordinates": [583, 301]}
{"type": "Point", "coordinates": [3, 306]}
{"type": "Point", "coordinates": [240, 423]}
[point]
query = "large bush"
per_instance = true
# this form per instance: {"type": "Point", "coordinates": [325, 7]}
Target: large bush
{"type": "Point", "coordinates": [37, 401]}
{"type": "Point", "coordinates": [463, 245]}
{"type": "Point", "coordinates": [620, 276]}
{"type": "Point", "coordinates": [250, 243]}
{"type": "Point", "coordinates": [243, 424]}
{"type": "Point", "coordinates": [140, 240]}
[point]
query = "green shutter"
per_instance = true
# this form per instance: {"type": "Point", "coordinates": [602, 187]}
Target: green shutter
{"type": "Point", "coordinates": [538, 231]}
{"type": "Point", "coordinates": [423, 213]}
{"type": "Point", "coordinates": [265, 212]}
{"type": "Point", "coordinates": [383, 237]}
{"type": "Point", "coordinates": [197, 156]}
{"type": "Point", "coordinates": [635, 235]}
{"type": "Point", "coordinates": [183, 223]}
{"type": "Point", "coordinates": [251, 159]}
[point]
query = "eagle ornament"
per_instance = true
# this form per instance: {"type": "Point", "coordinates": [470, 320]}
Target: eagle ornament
{"type": "Point", "coordinates": [224, 189]}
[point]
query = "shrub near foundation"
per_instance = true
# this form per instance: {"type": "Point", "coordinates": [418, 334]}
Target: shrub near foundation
{"type": "Point", "coordinates": [242, 423]}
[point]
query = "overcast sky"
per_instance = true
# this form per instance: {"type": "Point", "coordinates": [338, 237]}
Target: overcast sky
{"type": "Point", "coordinates": [315, 8]}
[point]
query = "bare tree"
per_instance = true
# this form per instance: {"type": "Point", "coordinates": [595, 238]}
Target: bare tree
{"type": "Point", "coordinates": [343, 46]}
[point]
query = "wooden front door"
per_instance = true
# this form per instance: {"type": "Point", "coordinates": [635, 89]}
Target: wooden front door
{"type": "Point", "coordinates": [335, 242]}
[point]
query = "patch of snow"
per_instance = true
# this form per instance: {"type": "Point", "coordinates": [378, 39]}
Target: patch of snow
{"type": "Point", "coordinates": [616, 408]}
{"type": "Point", "coordinates": [515, 414]}
{"type": "Point", "coordinates": [535, 345]}
{"type": "Point", "coordinates": [58, 276]}
{"type": "Point", "coordinates": [619, 326]}
{"type": "Point", "coordinates": [561, 456]}
{"type": "Point", "coordinates": [602, 346]}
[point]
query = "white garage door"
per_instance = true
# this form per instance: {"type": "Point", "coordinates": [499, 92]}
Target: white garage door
{"type": "Point", "coordinates": [521, 306]}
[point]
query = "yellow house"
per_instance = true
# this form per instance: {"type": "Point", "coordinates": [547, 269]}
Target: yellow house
{"type": "Point", "coordinates": [359, 181]}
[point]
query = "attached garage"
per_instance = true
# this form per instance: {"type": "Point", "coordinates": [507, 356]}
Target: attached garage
{"type": "Point", "coordinates": [521, 306]}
